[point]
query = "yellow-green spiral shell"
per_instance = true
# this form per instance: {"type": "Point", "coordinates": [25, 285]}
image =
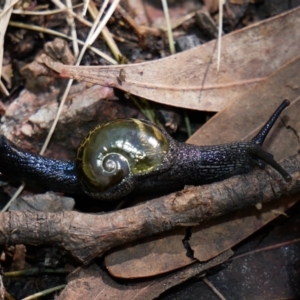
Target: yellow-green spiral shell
{"type": "Point", "coordinates": [118, 149]}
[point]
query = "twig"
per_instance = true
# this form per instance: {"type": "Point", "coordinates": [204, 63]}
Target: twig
{"type": "Point", "coordinates": [45, 292]}
{"type": "Point", "coordinates": [14, 197]}
{"type": "Point", "coordinates": [212, 287]}
{"type": "Point", "coordinates": [85, 6]}
{"type": "Point", "coordinates": [108, 14]}
{"type": "Point", "coordinates": [56, 33]}
{"type": "Point", "coordinates": [283, 244]}
{"type": "Point", "coordinates": [106, 34]}
{"type": "Point", "coordinates": [87, 236]}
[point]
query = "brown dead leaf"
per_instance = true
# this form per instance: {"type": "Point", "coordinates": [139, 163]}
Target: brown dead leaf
{"type": "Point", "coordinates": [135, 260]}
{"type": "Point", "coordinates": [235, 120]}
{"type": "Point", "coordinates": [19, 262]}
{"type": "Point", "coordinates": [86, 283]}
{"type": "Point", "coordinates": [227, 231]}
{"type": "Point", "coordinates": [249, 56]}
{"type": "Point", "coordinates": [246, 115]}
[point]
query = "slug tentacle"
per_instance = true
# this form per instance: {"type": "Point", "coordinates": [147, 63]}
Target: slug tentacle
{"type": "Point", "coordinates": [259, 153]}
{"type": "Point", "coordinates": [261, 136]}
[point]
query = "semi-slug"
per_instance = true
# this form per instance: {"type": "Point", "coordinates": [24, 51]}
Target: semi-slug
{"type": "Point", "coordinates": [129, 155]}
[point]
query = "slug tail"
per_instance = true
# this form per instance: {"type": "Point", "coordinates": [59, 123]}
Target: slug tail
{"type": "Point", "coordinates": [36, 170]}
{"type": "Point", "coordinates": [261, 136]}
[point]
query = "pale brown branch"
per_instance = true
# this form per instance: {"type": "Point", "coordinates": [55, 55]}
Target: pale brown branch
{"type": "Point", "coordinates": [87, 236]}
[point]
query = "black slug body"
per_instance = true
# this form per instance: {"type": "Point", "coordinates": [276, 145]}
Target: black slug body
{"type": "Point", "coordinates": [35, 170]}
{"type": "Point", "coordinates": [127, 156]}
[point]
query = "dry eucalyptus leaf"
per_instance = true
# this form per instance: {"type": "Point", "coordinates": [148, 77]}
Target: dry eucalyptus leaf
{"type": "Point", "coordinates": [247, 114]}
{"type": "Point", "coordinates": [239, 121]}
{"type": "Point", "coordinates": [225, 232]}
{"type": "Point", "coordinates": [190, 79]}
{"type": "Point", "coordinates": [93, 283]}
{"type": "Point", "coordinates": [135, 260]}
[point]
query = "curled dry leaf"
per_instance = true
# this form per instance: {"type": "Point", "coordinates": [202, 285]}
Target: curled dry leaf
{"type": "Point", "coordinates": [91, 281]}
{"type": "Point", "coordinates": [59, 49]}
{"type": "Point", "coordinates": [190, 79]}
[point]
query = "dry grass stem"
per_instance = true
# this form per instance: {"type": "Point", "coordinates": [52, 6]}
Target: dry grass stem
{"type": "Point", "coordinates": [5, 16]}
{"type": "Point", "coordinates": [212, 287]}
{"type": "Point", "coordinates": [220, 30]}
{"type": "Point", "coordinates": [169, 29]}
{"type": "Point", "coordinates": [71, 23]}
{"type": "Point", "coordinates": [43, 12]}
{"type": "Point", "coordinates": [105, 33]}
{"type": "Point", "coordinates": [59, 34]}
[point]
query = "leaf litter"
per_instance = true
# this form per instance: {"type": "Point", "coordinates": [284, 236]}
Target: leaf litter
{"type": "Point", "coordinates": [225, 87]}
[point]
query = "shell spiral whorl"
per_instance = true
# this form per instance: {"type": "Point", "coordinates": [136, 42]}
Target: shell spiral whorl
{"type": "Point", "coordinates": [118, 150]}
